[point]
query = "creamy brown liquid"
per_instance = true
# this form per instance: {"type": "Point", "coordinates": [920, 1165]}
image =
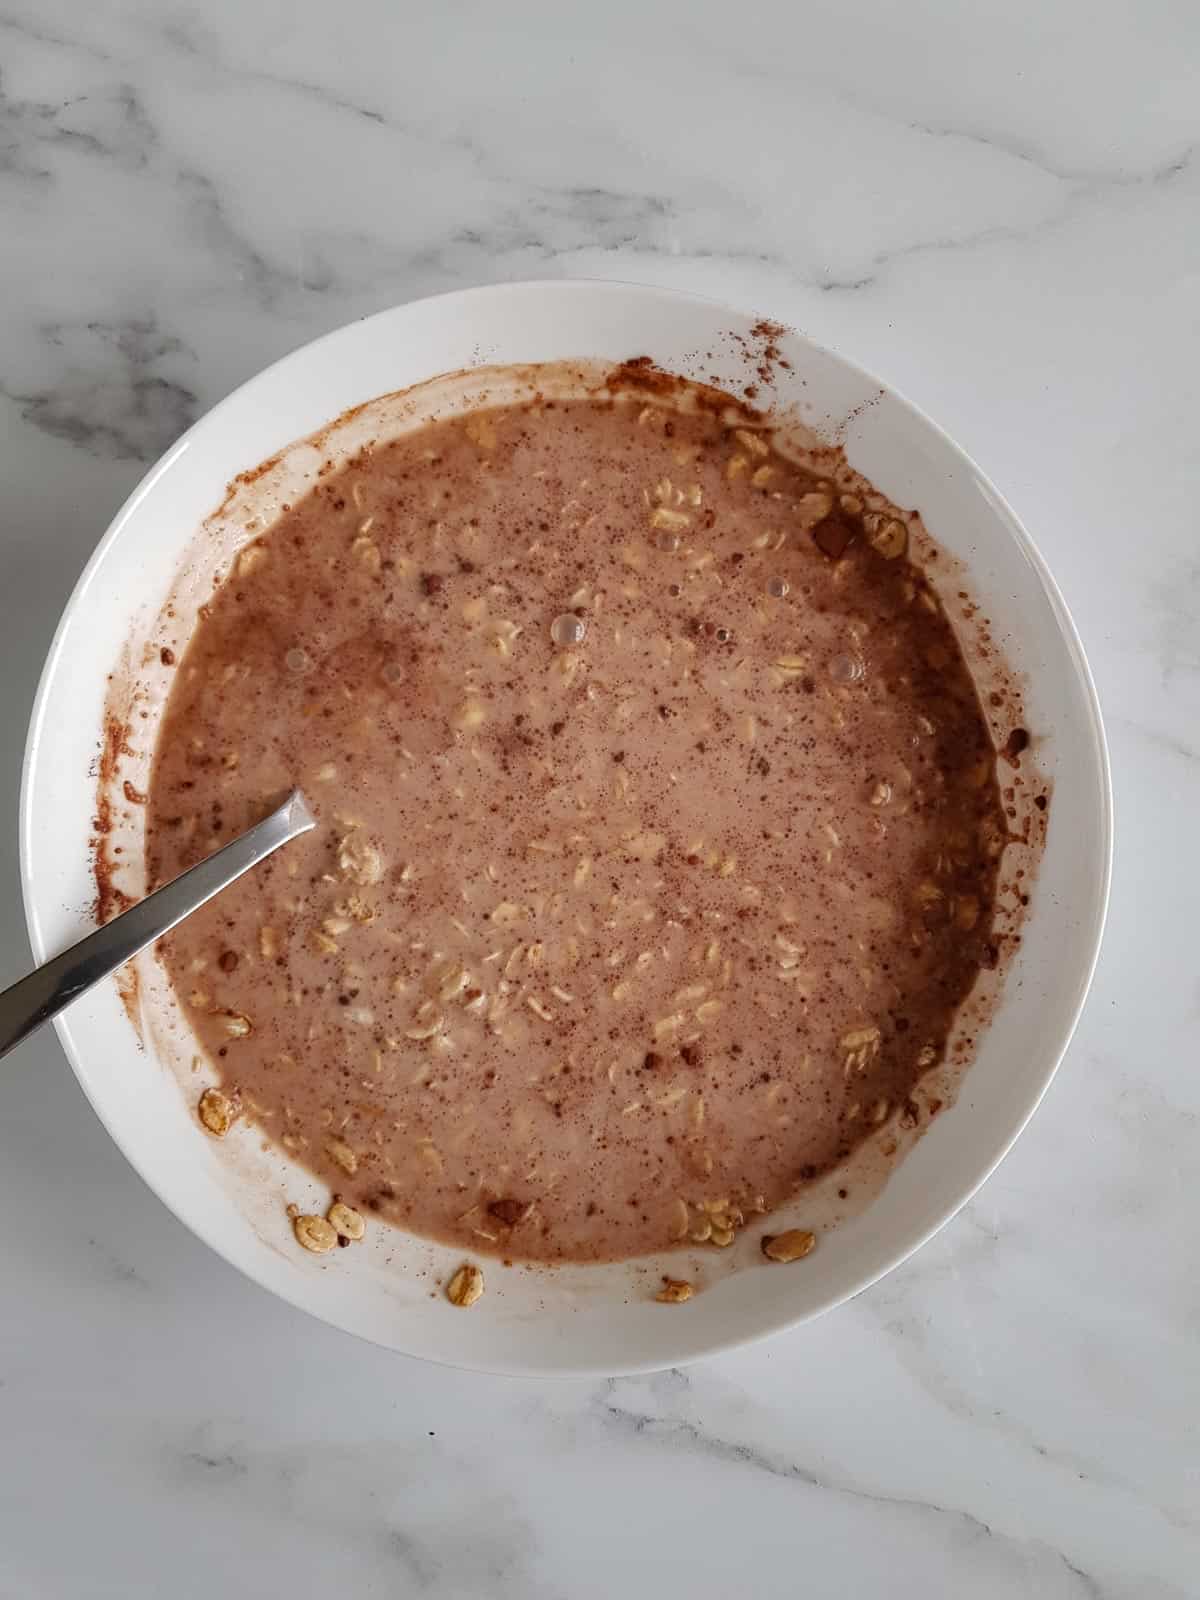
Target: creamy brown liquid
{"type": "Point", "coordinates": [658, 828]}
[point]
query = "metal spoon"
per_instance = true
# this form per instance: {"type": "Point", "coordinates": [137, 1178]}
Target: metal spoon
{"type": "Point", "coordinates": [41, 995]}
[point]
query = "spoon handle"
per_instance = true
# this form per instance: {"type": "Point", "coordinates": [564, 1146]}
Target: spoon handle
{"type": "Point", "coordinates": [43, 993]}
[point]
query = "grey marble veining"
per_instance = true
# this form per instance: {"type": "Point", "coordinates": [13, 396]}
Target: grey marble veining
{"type": "Point", "coordinates": [994, 207]}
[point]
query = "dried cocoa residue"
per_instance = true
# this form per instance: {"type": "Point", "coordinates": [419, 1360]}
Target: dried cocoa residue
{"type": "Point", "coordinates": [769, 355]}
{"type": "Point", "coordinates": [1017, 741]}
{"type": "Point", "coordinates": [116, 745]}
{"type": "Point", "coordinates": [110, 900]}
{"type": "Point", "coordinates": [640, 375]}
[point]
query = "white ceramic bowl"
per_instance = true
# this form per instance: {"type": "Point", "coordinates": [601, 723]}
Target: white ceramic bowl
{"type": "Point", "coordinates": [580, 1319]}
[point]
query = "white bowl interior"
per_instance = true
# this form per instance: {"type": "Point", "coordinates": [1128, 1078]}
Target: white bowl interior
{"type": "Point", "coordinates": [572, 1320]}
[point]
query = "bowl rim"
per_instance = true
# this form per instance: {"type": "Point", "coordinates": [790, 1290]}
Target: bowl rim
{"type": "Point", "coordinates": [703, 1349]}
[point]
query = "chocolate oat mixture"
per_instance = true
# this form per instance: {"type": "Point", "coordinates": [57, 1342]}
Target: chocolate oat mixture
{"type": "Point", "coordinates": [658, 838]}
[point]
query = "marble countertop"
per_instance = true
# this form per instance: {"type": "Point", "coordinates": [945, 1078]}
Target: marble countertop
{"type": "Point", "coordinates": [996, 208]}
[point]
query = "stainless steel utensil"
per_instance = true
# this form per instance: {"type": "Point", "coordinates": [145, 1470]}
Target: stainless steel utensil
{"type": "Point", "coordinates": [41, 995]}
